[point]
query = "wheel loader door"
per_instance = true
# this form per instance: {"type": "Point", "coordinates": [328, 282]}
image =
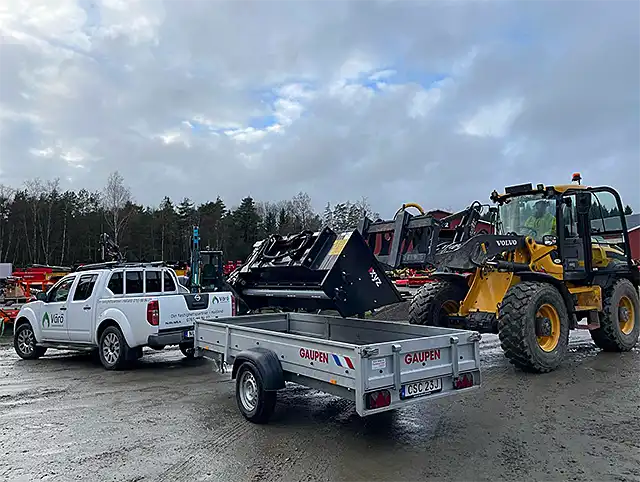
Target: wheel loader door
{"type": "Point", "coordinates": [608, 236]}
{"type": "Point", "coordinates": [571, 228]}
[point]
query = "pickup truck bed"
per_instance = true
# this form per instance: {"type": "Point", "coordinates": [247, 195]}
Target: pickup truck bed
{"type": "Point", "coordinates": [379, 365]}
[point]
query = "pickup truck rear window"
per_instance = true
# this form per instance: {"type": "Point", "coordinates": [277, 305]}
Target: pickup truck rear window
{"type": "Point", "coordinates": [154, 284]}
{"type": "Point", "coordinates": [116, 284]}
{"type": "Point", "coordinates": [134, 282]}
{"type": "Point", "coordinates": [169, 284]}
{"type": "Point", "coordinates": [85, 287]}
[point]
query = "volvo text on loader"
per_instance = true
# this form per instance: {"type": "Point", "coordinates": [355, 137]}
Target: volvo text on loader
{"type": "Point", "coordinates": [544, 270]}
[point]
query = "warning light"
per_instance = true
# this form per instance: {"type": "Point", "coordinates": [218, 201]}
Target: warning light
{"type": "Point", "coordinates": [576, 177]}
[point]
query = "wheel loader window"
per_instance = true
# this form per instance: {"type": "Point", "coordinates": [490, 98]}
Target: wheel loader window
{"type": "Point", "coordinates": [608, 249]}
{"type": "Point", "coordinates": [605, 214]}
{"type": "Point", "coordinates": [529, 215]}
{"type": "Point", "coordinates": [570, 217]}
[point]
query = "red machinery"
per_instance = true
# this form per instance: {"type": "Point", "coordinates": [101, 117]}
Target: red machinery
{"type": "Point", "coordinates": [22, 286]}
{"type": "Point", "coordinates": [231, 266]}
{"type": "Point", "coordinates": [407, 244]}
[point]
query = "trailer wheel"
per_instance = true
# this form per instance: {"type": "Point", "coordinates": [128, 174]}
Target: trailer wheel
{"type": "Point", "coordinates": [114, 350]}
{"type": "Point", "coordinates": [255, 403]}
{"type": "Point", "coordinates": [24, 343]}
{"type": "Point", "coordinates": [533, 326]}
{"type": "Point", "coordinates": [435, 301]}
{"type": "Point", "coordinates": [620, 321]}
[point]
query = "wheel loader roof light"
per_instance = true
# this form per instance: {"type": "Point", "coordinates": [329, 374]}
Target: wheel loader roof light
{"type": "Point", "coordinates": [576, 177]}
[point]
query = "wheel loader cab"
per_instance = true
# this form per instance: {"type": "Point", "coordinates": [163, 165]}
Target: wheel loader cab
{"type": "Point", "coordinates": [587, 225]}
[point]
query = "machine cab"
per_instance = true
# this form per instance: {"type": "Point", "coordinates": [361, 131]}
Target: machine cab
{"type": "Point", "coordinates": [587, 224]}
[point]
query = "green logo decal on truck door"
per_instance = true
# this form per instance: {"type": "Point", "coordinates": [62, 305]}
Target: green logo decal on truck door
{"type": "Point", "coordinates": [55, 320]}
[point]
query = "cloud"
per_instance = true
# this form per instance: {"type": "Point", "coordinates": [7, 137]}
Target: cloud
{"type": "Point", "coordinates": [434, 102]}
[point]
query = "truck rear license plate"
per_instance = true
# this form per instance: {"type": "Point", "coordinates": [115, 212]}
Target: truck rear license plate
{"type": "Point", "coordinates": [188, 334]}
{"type": "Point", "coordinates": [423, 387]}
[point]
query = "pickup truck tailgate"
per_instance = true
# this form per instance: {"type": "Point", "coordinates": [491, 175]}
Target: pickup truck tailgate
{"type": "Point", "coordinates": [182, 311]}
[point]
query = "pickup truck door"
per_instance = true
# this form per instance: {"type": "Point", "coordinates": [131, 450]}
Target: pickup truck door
{"type": "Point", "coordinates": [53, 320]}
{"type": "Point", "coordinates": [80, 308]}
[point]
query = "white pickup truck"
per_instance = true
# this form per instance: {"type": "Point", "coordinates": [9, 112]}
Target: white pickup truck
{"type": "Point", "coordinates": [116, 311]}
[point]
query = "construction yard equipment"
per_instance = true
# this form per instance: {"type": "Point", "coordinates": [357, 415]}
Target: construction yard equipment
{"type": "Point", "coordinates": [206, 272]}
{"type": "Point", "coordinates": [546, 269]}
{"type": "Point", "coordinates": [314, 271]}
{"type": "Point", "coordinates": [378, 365]}
{"type": "Point", "coordinates": [409, 242]}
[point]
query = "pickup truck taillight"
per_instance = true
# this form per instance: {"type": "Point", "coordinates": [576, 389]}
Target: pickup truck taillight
{"type": "Point", "coordinates": [153, 313]}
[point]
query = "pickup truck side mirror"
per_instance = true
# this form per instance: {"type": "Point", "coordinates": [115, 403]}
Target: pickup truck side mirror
{"type": "Point", "coordinates": [42, 296]}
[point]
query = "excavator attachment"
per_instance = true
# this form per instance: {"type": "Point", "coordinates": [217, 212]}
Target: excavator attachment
{"type": "Point", "coordinates": [314, 271]}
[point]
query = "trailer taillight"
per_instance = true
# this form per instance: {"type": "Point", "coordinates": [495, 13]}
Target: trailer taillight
{"type": "Point", "coordinates": [233, 305]}
{"type": "Point", "coordinates": [379, 399]}
{"type": "Point", "coordinates": [463, 381]}
{"type": "Point", "coordinates": [153, 313]}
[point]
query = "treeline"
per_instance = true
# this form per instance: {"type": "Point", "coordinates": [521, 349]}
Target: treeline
{"type": "Point", "coordinates": [40, 223]}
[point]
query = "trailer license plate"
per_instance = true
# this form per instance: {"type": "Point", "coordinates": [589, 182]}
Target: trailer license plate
{"type": "Point", "coordinates": [188, 334]}
{"type": "Point", "coordinates": [423, 387]}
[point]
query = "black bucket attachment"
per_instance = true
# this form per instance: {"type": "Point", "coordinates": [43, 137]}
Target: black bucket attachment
{"type": "Point", "coordinates": [314, 271]}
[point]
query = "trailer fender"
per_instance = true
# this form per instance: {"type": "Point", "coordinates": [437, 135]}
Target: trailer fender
{"type": "Point", "coordinates": [267, 363]}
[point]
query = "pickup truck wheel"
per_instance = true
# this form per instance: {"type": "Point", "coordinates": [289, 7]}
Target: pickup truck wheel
{"type": "Point", "coordinates": [114, 351]}
{"type": "Point", "coordinates": [187, 349]}
{"type": "Point", "coordinates": [24, 342]}
{"type": "Point", "coordinates": [255, 403]}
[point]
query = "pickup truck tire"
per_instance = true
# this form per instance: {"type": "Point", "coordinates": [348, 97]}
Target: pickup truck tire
{"type": "Point", "coordinates": [255, 403]}
{"type": "Point", "coordinates": [114, 351]}
{"type": "Point", "coordinates": [620, 321]}
{"type": "Point", "coordinates": [187, 350]}
{"type": "Point", "coordinates": [24, 343]}
{"type": "Point", "coordinates": [533, 326]}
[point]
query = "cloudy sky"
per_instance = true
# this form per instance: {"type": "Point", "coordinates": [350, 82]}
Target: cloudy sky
{"type": "Point", "coordinates": [432, 102]}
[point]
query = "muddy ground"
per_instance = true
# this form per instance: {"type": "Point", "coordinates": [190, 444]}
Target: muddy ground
{"type": "Point", "coordinates": [65, 418]}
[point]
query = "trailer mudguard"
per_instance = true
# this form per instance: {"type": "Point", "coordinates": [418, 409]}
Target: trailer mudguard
{"type": "Point", "coordinates": [267, 363]}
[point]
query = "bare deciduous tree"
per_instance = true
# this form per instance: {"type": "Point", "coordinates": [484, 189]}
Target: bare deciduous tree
{"type": "Point", "coordinates": [115, 199]}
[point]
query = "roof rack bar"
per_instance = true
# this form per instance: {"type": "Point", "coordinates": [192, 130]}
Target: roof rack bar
{"type": "Point", "coordinates": [119, 264]}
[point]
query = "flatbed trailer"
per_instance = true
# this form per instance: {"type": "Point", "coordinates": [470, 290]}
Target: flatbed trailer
{"type": "Point", "coordinates": [378, 365]}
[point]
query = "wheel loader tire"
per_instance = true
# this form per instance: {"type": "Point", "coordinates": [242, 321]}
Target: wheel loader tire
{"type": "Point", "coordinates": [434, 301]}
{"type": "Point", "coordinates": [526, 305]}
{"type": "Point", "coordinates": [620, 320]}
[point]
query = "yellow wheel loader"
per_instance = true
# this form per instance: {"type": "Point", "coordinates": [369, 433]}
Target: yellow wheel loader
{"type": "Point", "coordinates": [559, 260]}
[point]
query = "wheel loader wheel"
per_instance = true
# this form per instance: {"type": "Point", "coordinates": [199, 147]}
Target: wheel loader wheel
{"type": "Point", "coordinates": [533, 327]}
{"type": "Point", "coordinates": [435, 301]}
{"type": "Point", "coordinates": [620, 320]}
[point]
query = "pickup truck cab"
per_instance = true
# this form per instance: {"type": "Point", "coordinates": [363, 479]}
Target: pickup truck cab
{"type": "Point", "coordinates": [116, 311]}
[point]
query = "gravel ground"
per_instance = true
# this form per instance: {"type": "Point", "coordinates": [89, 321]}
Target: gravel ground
{"type": "Point", "coordinates": [65, 418]}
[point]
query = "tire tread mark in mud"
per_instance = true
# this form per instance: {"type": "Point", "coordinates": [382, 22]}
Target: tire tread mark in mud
{"type": "Point", "coordinates": [516, 456]}
{"type": "Point", "coordinates": [215, 443]}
